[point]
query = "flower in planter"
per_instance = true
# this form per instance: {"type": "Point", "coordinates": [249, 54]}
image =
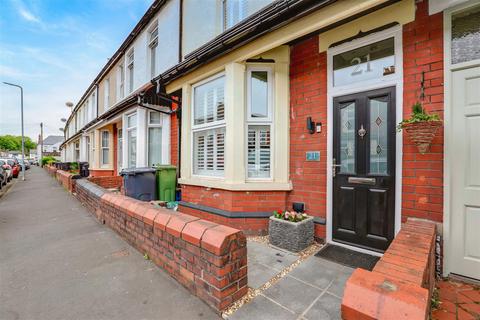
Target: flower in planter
{"type": "Point", "coordinates": [421, 127]}
{"type": "Point", "coordinates": [290, 215]}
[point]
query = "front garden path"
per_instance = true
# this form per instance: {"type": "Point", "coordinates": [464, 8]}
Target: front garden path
{"type": "Point", "coordinates": [312, 290]}
{"type": "Point", "coordinates": [57, 262]}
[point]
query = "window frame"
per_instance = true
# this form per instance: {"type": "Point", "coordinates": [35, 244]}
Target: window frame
{"type": "Point", "coordinates": [87, 142]}
{"type": "Point", "coordinates": [267, 121]}
{"type": "Point", "coordinates": [215, 125]}
{"type": "Point", "coordinates": [224, 13]}
{"type": "Point", "coordinates": [92, 142]}
{"type": "Point", "coordinates": [103, 148]}
{"type": "Point", "coordinates": [152, 44]}
{"type": "Point", "coordinates": [154, 125]}
{"type": "Point", "coordinates": [76, 148]}
{"type": "Point", "coordinates": [270, 95]}
{"type": "Point", "coordinates": [121, 81]}
{"type": "Point", "coordinates": [130, 64]}
{"type": "Point", "coordinates": [106, 94]}
{"type": "Point", "coordinates": [127, 140]}
{"type": "Point", "coordinates": [119, 148]}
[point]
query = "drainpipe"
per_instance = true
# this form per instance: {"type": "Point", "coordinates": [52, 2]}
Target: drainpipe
{"type": "Point", "coordinates": [180, 32]}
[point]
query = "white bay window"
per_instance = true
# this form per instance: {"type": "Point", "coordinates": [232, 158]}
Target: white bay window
{"type": "Point", "coordinates": [236, 130]}
{"type": "Point", "coordinates": [209, 127]}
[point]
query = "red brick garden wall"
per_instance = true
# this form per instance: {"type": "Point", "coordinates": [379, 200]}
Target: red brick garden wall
{"type": "Point", "coordinates": [107, 182]}
{"type": "Point", "coordinates": [422, 195]}
{"type": "Point", "coordinates": [236, 201]}
{"type": "Point", "coordinates": [101, 173]}
{"type": "Point", "coordinates": [65, 178]}
{"type": "Point", "coordinates": [402, 282]}
{"type": "Point", "coordinates": [210, 260]}
{"type": "Point", "coordinates": [249, 226]}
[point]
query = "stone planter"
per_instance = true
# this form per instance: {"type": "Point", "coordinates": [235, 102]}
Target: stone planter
{"type": "Point", "coordinates": [292, 236]}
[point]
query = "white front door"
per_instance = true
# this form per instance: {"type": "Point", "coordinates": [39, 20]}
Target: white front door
{"type": "Point", "coordinates": [464, 246]}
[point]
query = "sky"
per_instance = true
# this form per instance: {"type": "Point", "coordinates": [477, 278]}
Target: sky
{"type": "Point", "coordinates": [54, 49]}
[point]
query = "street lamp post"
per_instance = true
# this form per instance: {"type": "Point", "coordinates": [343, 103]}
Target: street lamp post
{"type": "Point", "coordinates": [23, 137]}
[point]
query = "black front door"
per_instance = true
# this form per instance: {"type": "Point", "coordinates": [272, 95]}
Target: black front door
{"type": "Point", "coordinates": [364, 169]}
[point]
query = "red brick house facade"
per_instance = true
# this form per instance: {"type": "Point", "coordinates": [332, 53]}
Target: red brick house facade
{"type": "Point", "coordinates": [422, 174]}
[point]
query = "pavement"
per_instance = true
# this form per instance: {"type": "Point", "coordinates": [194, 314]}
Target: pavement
{"type": "Point", "coordinates": [57, 262]}
{"type": "Point", "coordinates": [456, 299]}
{"type": "Point", "coordinates": [312, 290]}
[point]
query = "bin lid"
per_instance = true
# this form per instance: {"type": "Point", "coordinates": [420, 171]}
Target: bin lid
{"type": "Point", "coordinates": [134, 171]}
{"type": "Point", "coordinates": [165, 167]}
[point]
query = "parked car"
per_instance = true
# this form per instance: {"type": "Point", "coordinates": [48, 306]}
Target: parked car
{"type": "Point", "coordinates": [27, 164]}
{"type": "Point", "coordinates": [15, 166]}
{"type": "Point", "coordinates": [3, 177]}
{"type": "Point", "coordinates": [8, 169]}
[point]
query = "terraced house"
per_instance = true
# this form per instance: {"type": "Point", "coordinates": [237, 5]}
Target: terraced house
{"type": "Point", "coordinates": [266, 105]}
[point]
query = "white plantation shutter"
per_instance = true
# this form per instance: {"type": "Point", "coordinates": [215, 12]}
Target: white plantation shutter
{"type": "Point", "coordinates": [209, 152]}
{"type": "Point", "coordinates": [258, 149]}
{"type": "Point", "coordinates": [209, 102]}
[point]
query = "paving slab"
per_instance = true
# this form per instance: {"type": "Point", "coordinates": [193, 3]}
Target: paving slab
{"type": "Point", "coordinates": [293, 294]}
{"type": "Point", "coordinates": [338, 285]}
{"type": "Point", "coordinates": [263, 308]}
{"type": "Point", "coordinates": [58, 262]}
{"type": "Point", "coordinates": [327, 307]}
{"type": "Point", "coordinates": [317, 272]}
{"type": "Point", "coordinates": [259, 274]}
{"type": "Point", "coordinates": [269, 256]}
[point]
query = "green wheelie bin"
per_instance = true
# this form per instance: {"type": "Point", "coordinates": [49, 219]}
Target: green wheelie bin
{"type": "Point", "coordinates": [166, 182]}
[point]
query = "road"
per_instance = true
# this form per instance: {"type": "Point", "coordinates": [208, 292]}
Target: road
{"type": "Point", "coordinates": [58, 262]}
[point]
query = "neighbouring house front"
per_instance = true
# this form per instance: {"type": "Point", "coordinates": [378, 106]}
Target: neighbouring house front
{"type": "Point", "coordinates": [51, 145]}
{"type": "Point", "coordinates": [267, 105]}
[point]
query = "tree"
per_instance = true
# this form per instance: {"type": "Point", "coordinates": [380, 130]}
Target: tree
{"type": "Point", "coordinates": [14, 143]}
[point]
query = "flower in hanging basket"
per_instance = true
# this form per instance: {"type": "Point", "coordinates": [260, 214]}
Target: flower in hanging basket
{"type": "Point", "coordinates": [421, 127]}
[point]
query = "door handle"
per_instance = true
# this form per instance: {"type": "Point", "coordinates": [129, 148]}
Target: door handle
{"type": "Point", "coordinates": [334, 167]}
{"type": "Point", "coordinates": [362, 132]}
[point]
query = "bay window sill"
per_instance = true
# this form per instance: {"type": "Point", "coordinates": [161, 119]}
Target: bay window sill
{"type": "Point", "coordinates": [239, 186]}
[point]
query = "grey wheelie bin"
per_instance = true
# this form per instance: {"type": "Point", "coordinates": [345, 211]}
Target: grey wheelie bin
{"type": "Point", "coordinates": [140, 183]}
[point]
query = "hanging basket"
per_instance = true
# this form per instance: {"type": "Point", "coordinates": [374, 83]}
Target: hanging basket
{"type": "Point", "coordinates": [422, 133]}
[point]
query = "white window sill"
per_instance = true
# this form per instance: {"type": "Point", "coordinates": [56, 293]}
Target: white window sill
{"type": "Point", "coordinates": [242, 186]}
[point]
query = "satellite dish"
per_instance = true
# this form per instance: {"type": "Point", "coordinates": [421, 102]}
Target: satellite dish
{"type": "Point", "coordinates": [69, 104]}
{"type": "Point", "coordinates": [63, 120]}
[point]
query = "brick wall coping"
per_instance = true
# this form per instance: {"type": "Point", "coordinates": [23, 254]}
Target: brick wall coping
{"type": "Point", "coordinates": [238, 214]}
{"type": "Point", "coordinates": [226, 213]}
{"type": "Point", "coordinates": [402, 281]}
{"type": "Point", "coordinates": [207, 258]}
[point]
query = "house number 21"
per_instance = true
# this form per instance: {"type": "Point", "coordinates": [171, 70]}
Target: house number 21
{"type": "Point", "coordinates": [357, 62]}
